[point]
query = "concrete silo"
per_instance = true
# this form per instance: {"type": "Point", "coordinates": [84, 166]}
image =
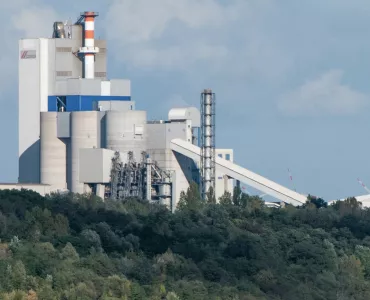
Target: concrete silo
{"type": "Point", "coordinates": [85, 133]}
{"type": "Point", "coordinates": [126, 131]}
{"type": "Point", "coordinates": [53, 153]}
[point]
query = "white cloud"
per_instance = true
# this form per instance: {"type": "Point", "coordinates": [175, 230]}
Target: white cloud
{"type": "Point", "coordinates": [35, 21]}
{"type": "Point", "coordinates": [177, 101]}
{"type": "Point", "coordinates": [170, 34]}
{"type": "Point", "coordinates": [142, 20]}
{"type": "Point", "coordinates": [326, 95]}
{"type": "Point", "coordinates": [22, 20]}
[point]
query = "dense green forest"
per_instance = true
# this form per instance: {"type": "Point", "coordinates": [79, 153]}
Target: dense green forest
{"type": "Point", "coordinates": [79, 247]}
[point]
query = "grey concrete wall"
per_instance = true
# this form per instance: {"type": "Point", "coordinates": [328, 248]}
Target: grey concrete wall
{"type": "Point", "coordinates": [67, 65]}
{"type": "Point", "coordinates": [114, 105]}
{"type": "Point", "coordinates": [95, 165]}
{"type": "Point", "coordinates": [120, 87]}
{"type": "Point", "coordinates": [64, 125]}
{"type": "Point", "coordinates": [101, 60]}
{"type": "Point", "coordinates": [159, 138]}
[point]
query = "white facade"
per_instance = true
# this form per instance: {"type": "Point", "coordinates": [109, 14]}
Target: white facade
{"type": "Point", "coordinates": [42, 64]}
{"type": "Point", "coordinates": [185, 113]}
{"type": "Point", "coordinates": [33, 99]}
{"type": "Point", "coordinates": [223, 182]}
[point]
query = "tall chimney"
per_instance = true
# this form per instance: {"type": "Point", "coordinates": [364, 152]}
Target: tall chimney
{"type": "Point", "coordinates": [89, 50]}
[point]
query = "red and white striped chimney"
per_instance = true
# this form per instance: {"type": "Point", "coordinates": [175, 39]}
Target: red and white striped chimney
{"type": "Point", "coordinates": [89, 50]}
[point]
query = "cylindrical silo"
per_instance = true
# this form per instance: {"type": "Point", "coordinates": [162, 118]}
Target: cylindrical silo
{"type": "Point", "coordinates": [53, 153]}
{"type": "Point", "coordinates": [85, 133]}
{"type": "Point", "coordinates": [126, 131]}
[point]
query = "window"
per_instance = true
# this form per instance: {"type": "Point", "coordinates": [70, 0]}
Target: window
{"type": "Point", "coordinates": [64, 49]}
{"type": "Point", "coordinates": [227, 156]}
{"type": "Point", "coordinates": [101, 74]}
{"type": "Point", "coordinates": [61, 103]}
{"type": "Point", "coordinates": [220, 155]}
{"type": "Point", "coordinates": [64, 73]}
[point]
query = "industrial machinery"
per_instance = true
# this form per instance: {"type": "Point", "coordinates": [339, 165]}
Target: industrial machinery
{"type": "Point", "coordinates": [143, 180]}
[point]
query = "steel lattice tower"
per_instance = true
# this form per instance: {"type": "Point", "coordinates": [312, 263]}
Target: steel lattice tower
{"type": "Point", "coordinates": [208, 151]}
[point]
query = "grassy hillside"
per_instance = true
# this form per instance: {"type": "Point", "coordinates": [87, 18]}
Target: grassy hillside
{"type": "Point", "coordinates": [77, 247]}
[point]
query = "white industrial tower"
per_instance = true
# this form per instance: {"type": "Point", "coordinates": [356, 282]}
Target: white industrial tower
{"type": "Point", "coordinates": [207, 161]}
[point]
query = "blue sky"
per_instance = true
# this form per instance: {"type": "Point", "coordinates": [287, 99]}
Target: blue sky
{"type": "Point", "coordinates": [291, 77]}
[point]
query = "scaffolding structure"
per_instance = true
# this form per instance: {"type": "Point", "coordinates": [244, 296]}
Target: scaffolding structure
{"type": "Point", "coordinates": [128, 179]}
{"type": "Point", "coordinates": [208, 142]}
{"type": "Point", "coordinates": [144, 180]}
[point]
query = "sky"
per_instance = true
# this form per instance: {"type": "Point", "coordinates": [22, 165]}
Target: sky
{"type": "Point", "coordinates": [291, 77]}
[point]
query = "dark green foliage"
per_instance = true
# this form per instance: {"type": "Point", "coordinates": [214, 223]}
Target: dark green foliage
{"type": "Point", "coordinates": [191, 200]}
{"type": "Point", "coordinates": [77, 247]}
{"type": "Point", "coordinates": [226, 199]}
{"type": "Point", "coordinates": [211, 197]}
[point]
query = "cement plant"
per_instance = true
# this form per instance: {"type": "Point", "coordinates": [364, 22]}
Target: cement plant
{"type": "Point", "coordinates": [79, 131]}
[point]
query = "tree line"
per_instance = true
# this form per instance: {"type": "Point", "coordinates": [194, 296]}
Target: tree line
{"type": "Point", "coordinates": [79, 247]}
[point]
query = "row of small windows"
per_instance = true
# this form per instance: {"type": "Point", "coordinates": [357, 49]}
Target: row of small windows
{"type": "Point", "coordinates": [64, 49]}
{"type": "Point", "coordinates": [69, 50]}
{"type": "Point", "coordinates": [69, 74]}
{"type": "Point", "coordinates": [64, 73]}
{"type": "Point", "coordinates": [227, 156]}
{"type": "Point", "coordinates": [100, 74]}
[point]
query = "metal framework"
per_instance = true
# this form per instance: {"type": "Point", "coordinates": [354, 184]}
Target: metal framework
{"type": "Point", "coordinates": [208, 142]}
{"type": "Point", "coordinates": [144, 180]}
{"type": "Point", "coordinates": [127, 180]}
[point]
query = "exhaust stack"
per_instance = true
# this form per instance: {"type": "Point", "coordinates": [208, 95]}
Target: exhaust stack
{"type": "Point", "coordinates": [88, 51]}
{"type": "Point", "coordinates": [208, 148]}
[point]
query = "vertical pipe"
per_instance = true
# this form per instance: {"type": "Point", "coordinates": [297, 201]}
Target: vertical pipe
{"type": "Point", "coordinates": [148, 179]}
{"type": "Point", "coordinates": [89, 66]}
{"type": "Point", "coordinates": [207, 142]}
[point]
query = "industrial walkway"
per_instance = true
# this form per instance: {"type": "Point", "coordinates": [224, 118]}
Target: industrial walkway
{"type": "Point", "coordinates": [243, 175]}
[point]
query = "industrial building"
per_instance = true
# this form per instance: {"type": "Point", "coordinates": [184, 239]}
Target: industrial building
{"type": "Point", "coordinates": [80, 131]}
{"type": "Point", "coordinates": [73, 121]}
